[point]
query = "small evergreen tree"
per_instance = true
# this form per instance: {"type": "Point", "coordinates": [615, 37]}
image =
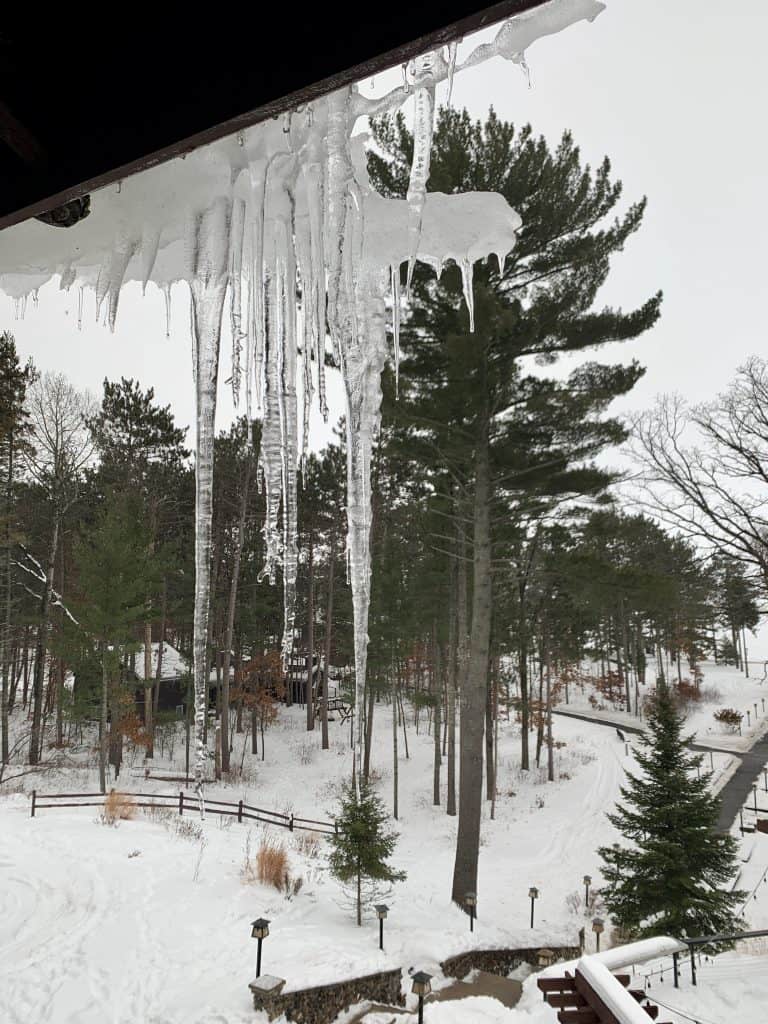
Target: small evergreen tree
{"type": "Point", "coordinates": [672, 878]}
{"type": "Point", "coordinates": [362, 845]}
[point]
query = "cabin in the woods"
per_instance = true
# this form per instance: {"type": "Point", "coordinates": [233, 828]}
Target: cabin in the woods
{"type": "Point", "coordinates": [173, 672]}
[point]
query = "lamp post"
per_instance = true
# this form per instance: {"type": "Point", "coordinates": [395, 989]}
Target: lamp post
{"type": "Point", "coordinates": [381, 912]}
{"type": "Point", "coordinates": [533, 895]}
{"type": "Point", "coordinates": [587, 883]}
{"type": "Point", "coordinates": [597, 928]}
{"type": "Point", "coordinates": [471, 901]}
{"type": "Point", "coordinates": [259, 930]}
{"type": "Point", "coordinates": [421, 987]}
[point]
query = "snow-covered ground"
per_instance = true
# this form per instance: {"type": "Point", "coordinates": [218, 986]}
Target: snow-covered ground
{"type": "Point", "coordinates": [723, 686]}
{"type": "Point", "coordinates": [150, 921]}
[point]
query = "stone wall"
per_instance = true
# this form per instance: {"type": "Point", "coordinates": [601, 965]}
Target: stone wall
{"type": "Point", "coordinates": [320, 1005]}
{"type": "Point", "coordinates": [500, 961]}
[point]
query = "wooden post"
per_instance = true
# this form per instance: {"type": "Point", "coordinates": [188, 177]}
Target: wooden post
{"type": "Point", "coordinates": [181, 802]}
{"type": "Point", "coordinates": [240, 811]}
{"type": "Point", "coordinates": [290, 823]}
{"type": "Point", "coordinates": [34, 801]}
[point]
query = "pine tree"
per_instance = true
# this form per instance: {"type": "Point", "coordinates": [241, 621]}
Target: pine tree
{"type": "Point", "coordinates": [515, 444]}
{"type": "Point", "coordinates": [362, 845]}
{"type": "Point", "coordinates": [14, 380]}
{"type": "Point", "coordinates": [115, 573]}
{"type": "Point", "coordinates": [673, 878]}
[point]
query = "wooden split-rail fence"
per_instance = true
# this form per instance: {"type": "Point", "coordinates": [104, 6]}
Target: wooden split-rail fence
{"type": "Point", "coordinates": [184, 802]}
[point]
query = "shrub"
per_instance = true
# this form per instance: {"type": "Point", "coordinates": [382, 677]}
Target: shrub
{"type": "Point", "coordinates": [686, 693]}
{"type": "Point", "coordinates": [118, 807]}
{"type": "Point", "coordinates": [730, 718]}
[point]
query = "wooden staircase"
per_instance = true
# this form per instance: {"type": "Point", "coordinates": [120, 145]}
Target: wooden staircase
{"type": "Point", "coordinates": [577, 1003]}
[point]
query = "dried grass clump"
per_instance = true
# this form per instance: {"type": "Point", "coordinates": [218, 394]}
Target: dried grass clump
{"type": "Point", "coordinates": [307, 843]}
{"type": "Point", "coordinates": [272, 863]}
{"type": "Point", "coordinates": [118, 807]}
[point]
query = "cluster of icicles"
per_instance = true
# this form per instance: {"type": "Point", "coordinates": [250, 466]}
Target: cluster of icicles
{"type": "Point", "coordinates": [282, 220]}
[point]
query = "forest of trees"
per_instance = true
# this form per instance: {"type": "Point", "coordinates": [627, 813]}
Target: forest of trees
{"type": "Point", "coordinates": [501, 557]}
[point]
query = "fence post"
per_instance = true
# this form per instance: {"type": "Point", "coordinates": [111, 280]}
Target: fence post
{"type": "Point", "coordinates": [181, 802]}
{"type": "Point", "coordinates": [34, 801]}
{"type": "Point", "coordinates": [336, 827]}
{"type": "Point", "coordinates": [240, 812]}
{"type": "Point", "coordinates": [290, 823]}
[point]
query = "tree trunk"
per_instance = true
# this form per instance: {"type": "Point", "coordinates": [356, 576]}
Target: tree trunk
{"type": "Point", "coordinates": [474, 691]}
{"type": "Point", "coordinates": [522, 671]}
{"type": "Point", "coordinates": [328, 635]}
{"type": "Point", "coordinates": [149, 724]}
{"type": "Point", "coordinates": [368, 729]}
{"type": "Point", "coordinates": [437, 696]}
{"type": "Point", "coordinates": [5, 629]}
{"type": "Point", "coordinates": [231, 617]}
{"type": "Point", "coordinates": [450, 802]}
{"type": "Point", "coordinates": [489, 716]}
{"type": "Point", "coordinates": [394, 749]}
{"type": "Point", "coordinates": [103, 737]}
{"type": "Point", "coordinates": [550, 748]}
{"type": "Point", "coordinates": [160, 647]}
{"type": "Point", "coordinates": [310, 694]}
{"type": "Point", "coordinates": [35, 737]}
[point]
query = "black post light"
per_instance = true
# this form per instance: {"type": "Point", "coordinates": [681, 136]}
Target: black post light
{"type": "Point", "coordinates": [587, 883]}
{"type": "Point", "coordinates": [533, 895]}
{"type": "Point", "coordinates": [471, 901]}
{"type": "Point", "coordinates": [259, 930]}
{"type": "Point", "coordinates": [421, 987]}
{"type": "Point", "coordinates": [381, 912]}
{"type": "Point", "coordinates": [598, 927]}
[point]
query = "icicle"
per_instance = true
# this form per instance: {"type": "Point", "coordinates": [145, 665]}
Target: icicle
{"type": "Point", "coordinates": [423, 126]}
{"type": "Point", "coordinates": [258, 174]}
{"type": "Point", "coordinates": [290, 426]}
{"type": "Point", "coordinates": [314, 305]}
{"type": "Point", "coordinates": [208, 259]}
{"type": "Point", "coordinates": [395, 278]}
{"type": "Point", "coordinates": [67, 278]}
{"type": "Point", "coordinates": [452, 51]}
{"type": "Point", "coordinates": [469, 298]}
{"type": "Point", "coordinates": [167, 297]}
{"type": "Point", "coordinates": [150, 243]}
{"type": "Point", "coordinates": [80, 308]}
{"type": "Point", "coordinates": [110, 283]}
{"type": "Point", "coordinates": [270, 458]}
{"type": "Point", "coordinates": [524, 68]}
{"type": "Point", "coordinates": [501, 259]}
{"type": "Point", "coordinates": [235, 294]}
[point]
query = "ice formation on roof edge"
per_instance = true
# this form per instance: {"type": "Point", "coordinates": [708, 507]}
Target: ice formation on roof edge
{"type": "Point", "coordinates": [279, 210]}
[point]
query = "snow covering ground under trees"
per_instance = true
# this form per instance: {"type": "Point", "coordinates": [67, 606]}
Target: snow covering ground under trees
{"type": "Point", "coordinates": [150, 920]}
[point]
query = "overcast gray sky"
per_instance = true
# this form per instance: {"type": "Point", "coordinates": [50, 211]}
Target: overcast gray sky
{"type": "Point", "coordinates": [674, 91]}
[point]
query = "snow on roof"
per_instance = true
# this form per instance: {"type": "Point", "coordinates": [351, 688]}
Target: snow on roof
{"type": "Point", "coordinates": [174, 664]}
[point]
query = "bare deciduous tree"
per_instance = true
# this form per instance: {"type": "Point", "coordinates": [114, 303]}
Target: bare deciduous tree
{"type": "Point", "coordinates": [60, 448]}
{"type": "Point", "coordinates": [704, 469]}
